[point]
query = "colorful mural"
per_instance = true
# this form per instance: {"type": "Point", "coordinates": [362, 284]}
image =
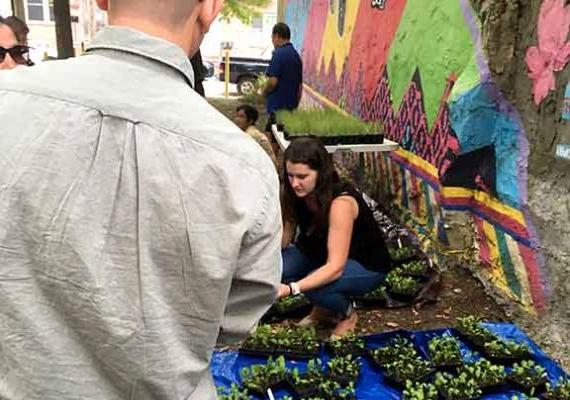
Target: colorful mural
{"type": "Point", "coordinates": [419, 69]}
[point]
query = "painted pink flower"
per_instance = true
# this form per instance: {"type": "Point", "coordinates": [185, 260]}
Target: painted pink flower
{"type": "Point", "coordinates": [552, 52]}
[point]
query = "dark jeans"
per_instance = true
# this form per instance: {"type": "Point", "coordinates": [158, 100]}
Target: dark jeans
{"type": "Point", "coordinates": [356, 280]}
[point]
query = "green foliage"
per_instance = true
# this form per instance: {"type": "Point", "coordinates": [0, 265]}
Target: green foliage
{"type": "Point", "coordinates": [404, 369]}
{"type": "Point", "coordinates": [470, 327]}
{"type": "Point", "coordinates": [349, 342]}
{"type": "Point", "coordinates": [419, 391]}
{"type": "Point", "coordinates": [506, 348]}
{"type": "Point", "coordinates": [560, 391]}
{"type": "Point", "coordinates": [484, 373]}
{"type": "Point", "coordinates": [234, 393]}
{"type": "Point", "coordinates": [313, 377]}
{"type": "Point", "coordinates": [378, 293]}
{"type": "Point", "coordinates": [256, 98]}
{"type": "Point", "coordinates": [261, 377]}
{"type": "Point", "coordinates": [283, 338]}
{"type": "Point", "coordinates": [528, 374]}
{"type": "Point", "coordinates": [457, 387]}
{"type": "Point", "coordinates": [244, 10]}
{"type": "Point", "coordinates": [324, 122]}
{"type": "Point", "coordinates": [345, 367]}
{"type": "Point", "coordinates": [401, 253]}
{"type": "Point", "coordinates": [398, 283]}
{"type": "Point", "coordinates": [414, 268]}
{"type": "Point", "coordinates": [445, 350]}
{"type": "Point", "coordinates": [398, 348]}
{"type": "Point", "coordinates": [290, 303]}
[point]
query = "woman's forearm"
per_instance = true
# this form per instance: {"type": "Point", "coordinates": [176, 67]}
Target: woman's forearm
{"type": "Point", "coordinates": [320, 277]}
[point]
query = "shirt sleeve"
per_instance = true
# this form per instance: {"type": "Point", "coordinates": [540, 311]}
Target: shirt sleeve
{"type": "Point", "coordinates": [275, 65]}
{"type": "Point", "coordinates": [258, 272]}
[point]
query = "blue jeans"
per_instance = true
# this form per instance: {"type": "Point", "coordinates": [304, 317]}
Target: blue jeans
{"type": "Point", "coordinates": [356, 280]}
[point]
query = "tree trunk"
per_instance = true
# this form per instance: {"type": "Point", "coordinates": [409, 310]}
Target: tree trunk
{"type": "Point", "coordinates": [18, 9]}
{"type": "Point", "coordinates": [63, 33]}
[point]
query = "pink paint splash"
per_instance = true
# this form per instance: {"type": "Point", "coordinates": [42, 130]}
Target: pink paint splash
{"type": "Point", "coordinates": [553, 52]}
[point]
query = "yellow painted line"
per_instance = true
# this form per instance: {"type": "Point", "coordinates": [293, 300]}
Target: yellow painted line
{"type": "Point", "coordinates": [520, 270]}
{"type": "Point", "coordinates": [418, 161]}
{"type": "Point", "coordinates": [496, 270]}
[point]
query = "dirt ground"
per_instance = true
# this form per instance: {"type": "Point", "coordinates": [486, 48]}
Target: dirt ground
{"type": "Point", "coordinates": [461, 294]}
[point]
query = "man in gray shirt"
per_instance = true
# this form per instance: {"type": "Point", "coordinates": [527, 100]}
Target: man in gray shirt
{"type": "Point", "coordinates": [138, 227]}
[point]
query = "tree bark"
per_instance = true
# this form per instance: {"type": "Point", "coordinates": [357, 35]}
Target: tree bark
{"type": "Point", "coordinates": [18, 9]}
{"type": "Point", "coordinates": [63, 32]}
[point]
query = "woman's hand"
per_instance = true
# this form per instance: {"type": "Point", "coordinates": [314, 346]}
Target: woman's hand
{"type": "Point", "coordinates": [284, 291]}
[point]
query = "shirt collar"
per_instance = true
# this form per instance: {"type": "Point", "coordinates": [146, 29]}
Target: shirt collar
{"type": "Point", "coordinates": [132, 41]}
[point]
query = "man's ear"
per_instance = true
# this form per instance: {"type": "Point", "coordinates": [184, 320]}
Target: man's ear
{"type": "Point", "coordinates": [209, 10]}
{"type": "Point", "coordinates": [103, 4]}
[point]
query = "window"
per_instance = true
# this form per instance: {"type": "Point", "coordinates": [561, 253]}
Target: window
{"type": "Point", "coordinates": [257, 22]}
{"type": "Point", "coordinates": [40, 10]}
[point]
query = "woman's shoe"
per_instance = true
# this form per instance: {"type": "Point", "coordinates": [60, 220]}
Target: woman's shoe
{"type": "Point", "coordinates": [317, 316]}
{"type": "Point", "coordinates": [345, 326]}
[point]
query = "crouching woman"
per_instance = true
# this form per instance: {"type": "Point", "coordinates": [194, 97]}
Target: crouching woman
{"type": "Point", "coordinates": [339, 251]}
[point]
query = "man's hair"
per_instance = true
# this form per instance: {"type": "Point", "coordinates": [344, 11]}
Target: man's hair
{"type": "Point", "coordinates": [174, 12]}
{"type": "Point", "coordinates": [18, 28]}
{"type": "Point", "coordinates": [282, 30]}
{"type": "Point", "coordinates": [250, 112]}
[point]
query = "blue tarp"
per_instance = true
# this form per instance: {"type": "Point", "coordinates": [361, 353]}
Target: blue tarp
{"type": "Point", "coordinates": [226, 365]}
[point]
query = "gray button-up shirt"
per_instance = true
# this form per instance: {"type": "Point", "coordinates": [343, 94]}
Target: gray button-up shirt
{"type": "Point", "coordinates": [138, 227]}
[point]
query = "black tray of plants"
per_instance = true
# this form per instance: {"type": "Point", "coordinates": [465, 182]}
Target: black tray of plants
{"type": "Point", "coordinates": [291, 341]}
{"type": "Point", "coordinates": [445, 352]}
{"type": "Point", "coordinates": [471, 331]}
{"type": "Point", "coordinates": [396, 349]}
{"type": "Point", "coordinates": [376, 298]}
{"type": "Point", "coordinates": [345, 345]}
{"type": "Point", "coordinates": [558, 391]}
{"type": "Point", "coordinates": [419, 269]}
{"type": "Point", "coordinates": [404, 254]}
{"type": "Point", "coordinates": [490, 378]}
{"type": "Point", "coordinates": [459, 387]}
{"type": "Point", "coordinates": [506, 351]}
{"type": "Point", "coordinates": [307, 385]}
{"type": "Point", "coordinates": [344, 370]}
{"type": "Point", "coordinates": [420, 391]}
{"type": "Point", "coordinates": [290, 307]}
{"type": "Point", "coordinates": [336, 140]}
{"type": "Point", "coordinates": [528, 377]}
{"type": "Point", "coordinates": [414, 369]}
{"type": "Point", "coordinates": [233, 393]}
{"type": "Point", "coordinates": [401, 287]}
{"type": "Point", "coordinates": [257, 379]}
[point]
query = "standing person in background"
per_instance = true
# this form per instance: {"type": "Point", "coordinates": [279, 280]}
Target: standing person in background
{"type": "Point", "coordinates": [285, 74]}
{"type": "Point", "coordinates": [139, 227]}
{"type": "Point", "coordinates": [14, 48]}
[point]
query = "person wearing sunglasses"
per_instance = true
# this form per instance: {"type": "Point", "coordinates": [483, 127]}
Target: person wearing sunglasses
{"type": "Point", "coordinates": [13, 43]}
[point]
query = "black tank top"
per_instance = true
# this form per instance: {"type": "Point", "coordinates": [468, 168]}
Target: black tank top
{"type": "Point", "coordinates": [367, 244]}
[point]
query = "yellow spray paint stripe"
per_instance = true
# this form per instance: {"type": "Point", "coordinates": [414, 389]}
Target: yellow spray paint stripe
{"type": "Point", "coordinates": [495, 269]}
{"type": "Point", "coordinates": [520, 270]}
{"type": "Point", "coordinates": [485, 199]}
{"type": "Point", "coordinates": [418, 161]}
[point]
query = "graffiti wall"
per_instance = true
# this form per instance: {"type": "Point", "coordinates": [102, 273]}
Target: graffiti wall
{"type": "Point", "coordinates": [418, 68]}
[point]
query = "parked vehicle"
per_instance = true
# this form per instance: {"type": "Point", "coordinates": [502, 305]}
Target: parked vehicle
{"type": "Point", "coordinates": [244, 72]}
{"type": "Point", "coordinates": [208, 68]}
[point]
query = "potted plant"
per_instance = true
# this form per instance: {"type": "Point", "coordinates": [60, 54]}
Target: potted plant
{"type": "Point", "coordinates": [376, 297]}
{"type": "Point", "coordinates": [471, 330]}
{"type": "Point", "coordinates": [397, 348]}
{"type": "Point", "coordinates": [402, 254]}
{"type": "Point", "coordinates": [560, 391]}
{"type": "Point", "coordinates": [289, 304]}
{"type": "Point", "coordinates": [234, 393]}
{"type": "Point", "coordinates": [528, 376]}
{"type": "Point", "coordinates": [345, 345]}
{"type": "Point", "coordinates": [460, 387]}
{"type": "Point", "coordinates": [307, 384]}
{"type": "Point", "coordinates": [419, 391]}
{"type": "Point", "coordinates": [295, 342]}
{"type": "Point", "coordinates": [489, 377]}
{"type": "Point", "coordinates": [506, 351]}
{"type": "Point", "coordinates": [258, 378]}
{"type": "Point", "coordinates": [445, 351]}
{"type": "Point", "coordinates": [330, 126]}
{"type": "Point", "coordinates": [402, 288]}
{"type": "Point", "coordinates": [414, 369]}
{"type": "Point", "coordinates": [417, 268]}
{"type": "Point", "coordinates": [344, 370]}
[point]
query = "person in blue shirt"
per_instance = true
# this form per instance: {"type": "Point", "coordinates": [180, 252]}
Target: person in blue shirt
{"type": "Point", "coordinates": [285, 72]}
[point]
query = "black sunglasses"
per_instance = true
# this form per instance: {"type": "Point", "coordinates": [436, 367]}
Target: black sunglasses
{"type": "Point", "coordinates": [20, 54]}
